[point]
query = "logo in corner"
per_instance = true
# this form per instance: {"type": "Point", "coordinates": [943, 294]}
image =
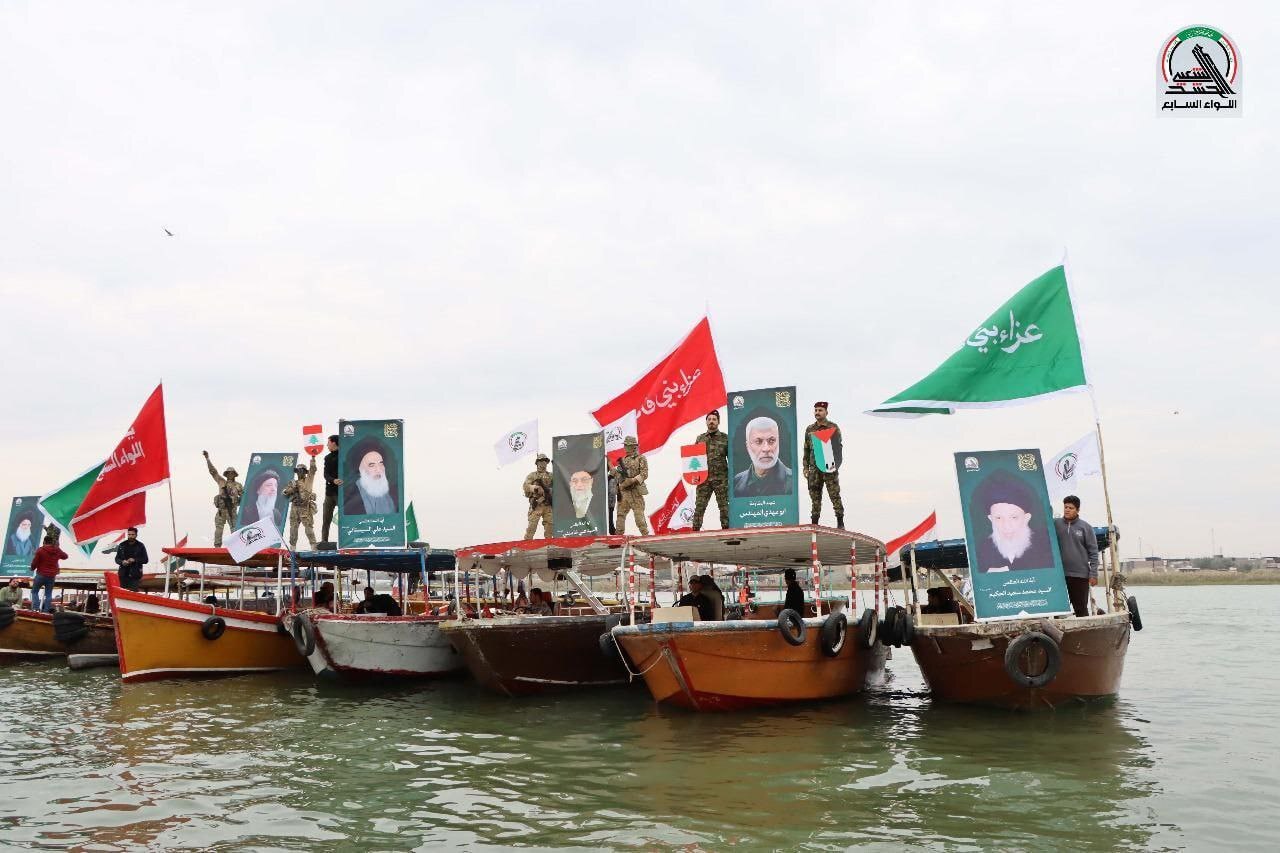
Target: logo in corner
{"type": "Point", "coordinates": [1200, 70]}
{"type": "Point", "coordinates": [971, 463]}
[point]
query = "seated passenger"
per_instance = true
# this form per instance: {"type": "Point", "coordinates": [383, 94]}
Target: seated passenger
{"type": "Point", "coordinates": [537, 603]}
{"type": "Point", "coordinates": [91, 604]}
{"type": "Point", "coordinates": [715, 596]}
{"type": "Point", "coordinates": [381, 603]}
{"type": "Point", "coordinates": [695, 598]}
{"type": "Point", "coordinates": [324, 596]}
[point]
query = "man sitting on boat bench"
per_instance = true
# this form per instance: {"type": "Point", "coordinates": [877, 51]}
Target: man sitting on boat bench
{"type": "Point", "coordinates": [380, 603]}
{"type": "Point", "coordinates": [696, 598]}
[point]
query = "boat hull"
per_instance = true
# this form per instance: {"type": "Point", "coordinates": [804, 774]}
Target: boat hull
{"type": "Point", "coordinates": [724, 666]}
{"type": "Point", "coordinates": [966, 663]}
{"type": "Point", "coordinates": [360, 646]}
{"type": "Point", "coordinates": [31, 637]}
{"type": "Point", "coordinates": [523, 655]}
{"type": "Point", "coordinates": [158, 637]}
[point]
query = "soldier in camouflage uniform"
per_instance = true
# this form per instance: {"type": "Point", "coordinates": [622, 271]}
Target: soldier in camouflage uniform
{"type": "Point", "coordinates": [537, 488]}
{"type": "Point", "coordinates": [817, 478]}
{"type": "Point", "coordinates": [631, 472]}
{"type": "Point", "coordinates": [226, 501]}
{"type": "Point", "coordinates": [717, 481]}
{"type": "Point", "coordinates": [302, 503]}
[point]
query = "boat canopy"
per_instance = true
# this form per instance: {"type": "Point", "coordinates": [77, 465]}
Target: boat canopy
{"type": "Point", "coordinates": [393, 560]}
{"type": "Point", "coordinates": [590, 556]}
{"type": "Point", "coordinates": [763, 547]}
{"type": "Point", "coordinates": [952, 553]}
{"type": "Point", "coordinates": [222, 557]}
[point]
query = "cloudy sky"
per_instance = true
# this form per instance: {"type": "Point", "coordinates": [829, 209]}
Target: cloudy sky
{"type": "Point", "coordinates": [467, 215]}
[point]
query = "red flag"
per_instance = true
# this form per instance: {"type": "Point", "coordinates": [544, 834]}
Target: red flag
{"type": "Point", "coordinates": [139, 462]}
{"type": "Point", "coordinates": [671, 515]}
{"type": "Point", "coordinates": [891, 547]}
{"type": "Point", "coordinates": [682, 387]}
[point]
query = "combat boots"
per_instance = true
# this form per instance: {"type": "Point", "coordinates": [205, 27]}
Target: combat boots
{"type": "Point", "coordinates": [840, 521]}
{"type": "Point", "coordinates": [815, 518]}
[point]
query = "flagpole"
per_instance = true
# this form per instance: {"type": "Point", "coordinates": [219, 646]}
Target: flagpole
{"type": "Point", "coordinates": [1106, 496]}
{"type": "Point", "coordinates": [173, 524]}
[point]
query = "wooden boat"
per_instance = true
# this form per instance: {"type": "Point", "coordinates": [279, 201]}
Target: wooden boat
{"type": "Point", "coordinates": [160, 636]}
{"type": "Point", "coordinates": [361, 646]}
{"type": "Point", "coordinates": [524, 654]}
{"type": "Point", "coordinates": [1024, 664]}
{"type": "Point", "coordinates": [763, 658]}
{"type": "Point", "coordinates": [27, 635]}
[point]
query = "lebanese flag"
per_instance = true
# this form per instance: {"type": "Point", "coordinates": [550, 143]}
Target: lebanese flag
{"type": "Point", "coordinates": [693, 463]}
{"type": "Point", "coordinates": [824, 456]}
{"type": "Point", "coordinates": [676, 512]}
{"type": "Point", "coordinates": [915, 534]}
{"type": "Point", "coordinates": [682, 387]}
{"type": "Point", "coordinates": [139, 462]}
{"type": "Point", "coordinates": [615, 434]}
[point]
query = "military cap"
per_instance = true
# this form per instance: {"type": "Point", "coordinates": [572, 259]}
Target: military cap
{"type": "Point", "coordinates": [630, 441]}
{"type": "Point", "coordinates": [822, 404]}
{"type": "Point", "coordinates": [231, 472]}
{"type": "Point", "coordinates": [301, 469]}
{"type": "Point", "coordinates": [542, 457]}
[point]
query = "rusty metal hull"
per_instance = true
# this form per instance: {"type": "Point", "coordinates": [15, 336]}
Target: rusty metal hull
{"type": "Point", "coordinates": [522, 655]}
{"type": "Point", "coordinates": [31, 637]}
{"type": "Point", "coordinates": [966, 663]}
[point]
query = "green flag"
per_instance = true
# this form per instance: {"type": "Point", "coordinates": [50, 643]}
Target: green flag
{"type": "Point", "coordinates": [411, 524]}
{"type": "Point", "coordinates": [61, 504]}
{"type": "Point", "coordinates": [1027, 350]}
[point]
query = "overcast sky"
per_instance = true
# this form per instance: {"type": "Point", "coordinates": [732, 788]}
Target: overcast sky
{"type": "Point", "coordinates": [468, 215]}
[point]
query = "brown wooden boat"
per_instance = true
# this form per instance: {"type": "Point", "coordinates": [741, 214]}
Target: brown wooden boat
{"type": "Point", "coordinates": [757, 659]}
{"type": "Point", "coordinates": [45, 636]}
{"type": "Point", "coordinates": [1030, 663]}
{"type": "Point", "coordinates": [524, 654]}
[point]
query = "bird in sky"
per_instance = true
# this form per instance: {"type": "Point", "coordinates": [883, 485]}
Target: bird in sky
{"type": "Point", "coordinates": [167, 231]}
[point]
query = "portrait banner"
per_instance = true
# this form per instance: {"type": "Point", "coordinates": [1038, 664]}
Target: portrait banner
{"type": "Point", "coordinates": [579, 485]}
{"type": "Point", "coordinates": [264, 482]}
{"type": "Point", "coordinates": [763, 489]}
{"type": "Point", "coordinates": [1014, 562]}
{"type": "Point", "coordinates": [22, 536]}
{"type": "Point", "coordinates": [371, 466]}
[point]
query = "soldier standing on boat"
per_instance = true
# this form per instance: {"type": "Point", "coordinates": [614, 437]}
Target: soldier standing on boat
{"type": "Point", "coordinates": [631, 472]}
{"type": "Point", "coordinates": [226, 501]}
{"type": "Point", "coordinates": [828, 473]}
{"type": "Point", "coordinates": [537, 488]}
{"type": "Point", "coordinates": [717, 444]}
{"type": "Point", "coordinates": [302, 503]}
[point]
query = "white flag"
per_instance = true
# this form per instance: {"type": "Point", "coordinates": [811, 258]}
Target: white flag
{"type": "Point", "coordinates": [519, 442]}
{"type": "Point", "coordinates": [1063, 473]}
{"type": "Point", "coordinates": [618, 432]}
{"type": "Point", "coordinates": [252, 538]}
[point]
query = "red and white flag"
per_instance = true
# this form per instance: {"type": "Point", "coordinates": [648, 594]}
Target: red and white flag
{"type": "Point", "coordinates": [311, 439]}
{"type": "Point", "coordinates": [139, 462]}
{"type": "Point", "coordinates": [915, 534]}
{"type": "Point", "coordinates": [693, 463]}
{"type": "Point", "coordinates": [676, 512]}
{"type": "Point", "coordinates": [615, 434]}
{"type": "Point", "coordinates": [682, 387]}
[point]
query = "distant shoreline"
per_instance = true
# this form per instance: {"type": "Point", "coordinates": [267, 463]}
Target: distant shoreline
{"type": "Point", "coordinates": [1203, 578]}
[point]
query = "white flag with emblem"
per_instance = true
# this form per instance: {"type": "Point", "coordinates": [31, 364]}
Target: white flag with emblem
{"type": "Point", "coordinates": [1063, 473]}
{"type": "Point", "coordinates": [517, 443]}
{"type": "Point", "coordinates": [618, 432]}
{"type": "Point", "coordinates": [252, 538]}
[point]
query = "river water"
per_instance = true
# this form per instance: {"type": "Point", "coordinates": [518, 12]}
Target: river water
{"type": "Point", "coordinates": [1187, 758]}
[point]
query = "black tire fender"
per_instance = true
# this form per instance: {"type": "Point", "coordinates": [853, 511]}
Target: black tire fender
{"type": "Point", "coordinates": [833, 634]}
{"type": "Point", "coordinates": [69, 628]}
{"type": "Point", "coordinates": [7, 616]}
{"type": "Point", "coordinates": [908, 631]}
{"type": "Point", "coordinates": [213, 627]}
{"type": "Point", "coordinates": [889, 628]}
{"type": "Point", "coordinates": [791, 627]}
{"type": "Point", "coordinates": [1013, 654]}
{"type": "Point", "coordinates": [1135, 618]}
{"type": "Point", "coordinates": [867, 628]}
{"type": "Point", "coordinates": [304, 635]}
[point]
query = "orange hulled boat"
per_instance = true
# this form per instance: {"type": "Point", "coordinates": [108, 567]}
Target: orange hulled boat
{"type": "Point", "coordinates": [761, 655]}
{"type": "Point", "coordinates": [159, 636]}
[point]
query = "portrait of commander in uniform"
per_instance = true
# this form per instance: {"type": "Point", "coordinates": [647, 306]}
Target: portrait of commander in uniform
{"type": "Point", "coordinates": [1019, 538]}
{"type": "Point", "coordinates": [767, 474]}
{"type": "Point", "coordinates": [368, 487]}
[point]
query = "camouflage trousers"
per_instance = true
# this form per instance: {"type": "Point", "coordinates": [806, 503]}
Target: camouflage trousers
{"type": "Point", "coordinates": [308, 522]}
{"type": "Point", "coordinates": [543, 514]}
{"type": "Point", "coordinates": [703, 497]}
{"type": "Point", "coordinates": [628, 502]}
{"type": "Point", "coordinates": [222, 518]}
{"type": "Point", "coordinates": [816, 479]}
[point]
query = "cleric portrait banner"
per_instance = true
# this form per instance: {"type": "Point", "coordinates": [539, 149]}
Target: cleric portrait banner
{"type": "Point", "coordinates": [371, 497]}
{"type": "Point", "coordinates": [579, 485]}
{"type": "Point", "coordinates": [22, 536]}
{"type": "Point", "coordinates": [264, 482]}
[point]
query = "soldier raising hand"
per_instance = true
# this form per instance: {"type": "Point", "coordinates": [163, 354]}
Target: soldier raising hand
{"type": "Point", "coordinates": [227, 501]}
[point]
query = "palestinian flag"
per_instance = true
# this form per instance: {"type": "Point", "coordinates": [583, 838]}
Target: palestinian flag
{"type": "Point", "coordinates": [824, 455]}
{"type": "Point", "coordinates": [693, 463]}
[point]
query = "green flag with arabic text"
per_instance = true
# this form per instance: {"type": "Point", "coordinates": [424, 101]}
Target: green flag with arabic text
{"type": "Point", "coordinates": [1028, 349]}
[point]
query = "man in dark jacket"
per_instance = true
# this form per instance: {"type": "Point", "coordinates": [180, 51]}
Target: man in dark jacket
{"type": "Point", "coordinates": [331, 483]}
{"type": "Point", "coordinates": [131, 556]}
{"type": "Point", "coordinates": [1079, 548]}
{"type": "Point", "coordinates": [695, 598]}
{"type": "Point", "coordinates": [795, 595]}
